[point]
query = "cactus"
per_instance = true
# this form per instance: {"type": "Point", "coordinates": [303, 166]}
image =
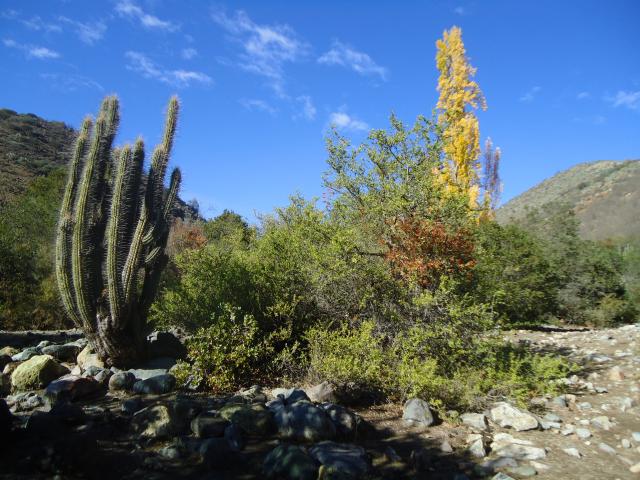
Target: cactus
{"type": "Point", "coordinates": [112, 232]}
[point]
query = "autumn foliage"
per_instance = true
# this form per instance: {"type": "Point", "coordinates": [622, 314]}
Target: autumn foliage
{"type": "Point", "coordinates": [423, 251]}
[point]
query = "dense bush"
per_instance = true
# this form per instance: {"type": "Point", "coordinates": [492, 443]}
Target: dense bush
{"type": "Point", "coordinates": [28, 293]}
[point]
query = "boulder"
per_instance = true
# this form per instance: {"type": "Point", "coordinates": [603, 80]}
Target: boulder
{"type": "Point", "coordinates": [290, 395]}
{"type": "Point", "coordinates": [122, 381]}
{"type": "Point", "coordinates": [87, 358]}
{"type": "Point", "coordinates": [290, 462]}
{"type": "Point", "coordinates": [321, 393]}
{"type": "Point", "coordinates": [9, 351]}
{"type": "Point", "coordinates": [418, 412]}
{"type": "Point", "coordinates": [157, 385]}
{"type": "Point", "coordinates": [145, 373]}
{"type": "Point", "coordinates": [505, 445]}
{"type": "Point", "coordinates": [157, 422]}
{"type": "Point", "coordinates": [507, 415]}
{"type": "Point", "coordinates": [26, 354]}
{"type": "Point", "coordinates": [477, 421]}
{"type": "Point", "coordinates": [165, 344]}
{"type": "Point", "coordinates": [25, 401]}
{"type": "Point", "coordinates": [253, 420]}
{"type": "Point", "coordinates": [475, 445]}
{"type": "Point", "coordinates": [70, 388]}
{"type": "Point", "coordinates": [345, 421]}
{"type": "Point", "coordinates": [209, 424]}
{"type": "Point", "coordinates": [63, 353]}
{"type": "Point", "coordinates": [341, 458]}
{"type": "Point", "coordinates": [37, 372]}
{"type": "Point", "coordinates": [304, 421]}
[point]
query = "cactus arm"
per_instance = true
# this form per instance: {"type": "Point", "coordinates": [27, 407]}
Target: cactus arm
{"type": "Point", "coordinates": [130, 270]}
{"type": "Point", "coordinates": [119, 211]}
{"type": "Point", "coordinates": [65, 225]}
{"type": "Point", "coordinates": [79, 248]}
{"type": "Point", "coordinates": [174, 186]}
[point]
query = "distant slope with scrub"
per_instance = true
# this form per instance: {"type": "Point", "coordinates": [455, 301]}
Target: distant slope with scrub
{"type": "Point", "coordinates": [29, 147]}
{"type": "Point", "coordinates": [605, 196]}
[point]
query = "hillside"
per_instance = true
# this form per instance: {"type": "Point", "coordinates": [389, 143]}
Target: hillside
{"type": "Point", "coordinates": [29, 147]}
{"type": "Point", "coordinates": [605, 196]}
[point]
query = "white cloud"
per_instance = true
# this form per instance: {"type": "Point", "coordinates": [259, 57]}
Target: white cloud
{"type": "Point", "coordinates": [128, 9]}
{"type": "Point", "coordinates": [343, 121]}
{"type": "Point", "coordinates": [140, 63]}
{"type": "Point", "coordinates": [359, 62]}
{"type": "Point", "coordinates": [88, 33]}
{"type": "Point", "coordinates": [188, 53]}
{"type": "Point", "coordinates": [622, 98]}
{"type": "Point", "coordinates": [529, 96]}
{"type": "Point", "coordinates": [36, 23]}
{"type": "Point", "coordinates": [257, 105]}
{"type": "Point", "coordinates": [308, 108]}
{"type": "Point", "coordinates": [265, 48]}
{"type": "Point", "coordinates": [70, 82]}
{"type": "Point", "coordinates": [583, 96]}
{"type": "Point", "coordinates": [31, 51]}
{"type": "Point", "coordinates": [460, 10]}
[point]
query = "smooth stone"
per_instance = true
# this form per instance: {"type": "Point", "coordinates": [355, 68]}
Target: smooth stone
{"type": "Point", "coordinates": [290, 462]}
{"type": "Point", "coordinates": [523, 471]}
{"type": "Point", "coordinates": [209, 424]}
{"type": "Point", "coordinates": [26, 354]}
{"type": "Point", "coordinates": [253, 420]}
{"type": "Point", "coordinates": [507, 415]}
{"type": "Point", "coordinates": [477, 421]}
{"type": "Point", "coordinates": [37, 372]}
{"type": "Point", "coordinates": [304, 421]}
{"type": "Point", "coordinates": [144, 374]}
{"type": "Point", "coordinates": [87, 358]}
{"type": "Point", "coordinates": [290, 395]}
{"type": "Point", "coordinates": [157, 385]}
{"type": "Point", "coordinates": [341, 458]}
{"type": "Point", "coordinates": [322, 393]}
{"type": "Point", "coordinates": [122, 381]}
{"type": "Point", "coordinates": [157, 422]}
{"type": "Point", "coordinates": [70, 388]}
{"type": "Point", "coordinates": [583, 433]}
{"type": "Point", "coordinates": [417, 411]}
{"type": "Point", "coordinates": [572, 452]}
{"type": "Point", "coordinates": [507, 446]}
{"type": "Point", "coordinates": [606, 448]}
{"type": "Point", "coordinates": [475, 445]}
{"type": "Point", "coordinates": [602, 422]}
{"type": "Point", "coordinates": [63, 353]}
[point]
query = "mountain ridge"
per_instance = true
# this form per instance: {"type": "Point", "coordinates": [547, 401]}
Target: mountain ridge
{"type": "Point", "coordinates": [604, 195]}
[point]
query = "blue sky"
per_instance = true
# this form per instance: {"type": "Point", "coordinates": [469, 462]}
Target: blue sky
{"type": "Point", "coordinates": [260, 81]}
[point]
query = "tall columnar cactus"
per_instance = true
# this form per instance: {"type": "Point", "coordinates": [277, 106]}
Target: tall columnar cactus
{"type": "Point", "coordinates": [112, 232]}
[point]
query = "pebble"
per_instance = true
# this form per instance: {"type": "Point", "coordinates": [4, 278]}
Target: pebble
{"type": "Point", "coordinates": [583, 433]}
{"type": "Point", "coordinates": [572, 451]}
{"type": "Point", "coordinates": [606, 448]}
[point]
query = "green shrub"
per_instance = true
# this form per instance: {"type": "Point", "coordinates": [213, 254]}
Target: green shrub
{"type": "Point", "coordinates": [226, 354]}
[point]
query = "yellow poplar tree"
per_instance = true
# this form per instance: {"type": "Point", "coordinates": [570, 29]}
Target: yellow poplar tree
{"type": "Point", "coordinates": [459, 96]}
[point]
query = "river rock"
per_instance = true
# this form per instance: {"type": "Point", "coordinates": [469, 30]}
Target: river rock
{"type": "Point", "coordinates": [417, 411]}
{"type": "Point", "coordinates": [322, 393]}
{"type": "Point", "coordinates": [121, 381]}
{"type": "Point", "coordinates": [157, 422]}
{"type": "Point", "coordinates": [304, 421]}
{"type": "Point", "coordinates": [475, 445]}
{"type": "Point", "coordinates": [507, 415]}
{"type": "Point", "coordinates": [209, 424]}
{"type": "Point", "coordinates": [346, 459]}
{"type": "Point", "coordinates": [37, 372]}
{"type": "Point", "coordinates": [477, 421]}
{"type": "Point", "coordinates": [26, 354]}
{"type": "Point", "coordinates": [63, 353]}
{"type": "Point", "coordinates": [290, 462]}
{"type": "Point", "coordinates": [70, 388]}
{"type": "Point", "coordinates": [87, 358]}
{"type": "Point", "coordinates": [505, 445]}
{"type": "Point", "coordinates": [157, 385]}
{"type": "Point", "coordinates": [290, 395]}
{"type": "Point", "coordinates": [345, 421]}
{"type": "Point", "coordinates": [253, 420]}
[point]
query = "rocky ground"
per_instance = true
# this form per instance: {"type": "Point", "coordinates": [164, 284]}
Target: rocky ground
{"type": "Point", "coordinates": [64, 416]}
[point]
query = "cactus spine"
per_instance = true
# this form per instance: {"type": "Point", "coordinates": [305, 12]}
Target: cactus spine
{"type": "Point", "coordinates": [112, 233]}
